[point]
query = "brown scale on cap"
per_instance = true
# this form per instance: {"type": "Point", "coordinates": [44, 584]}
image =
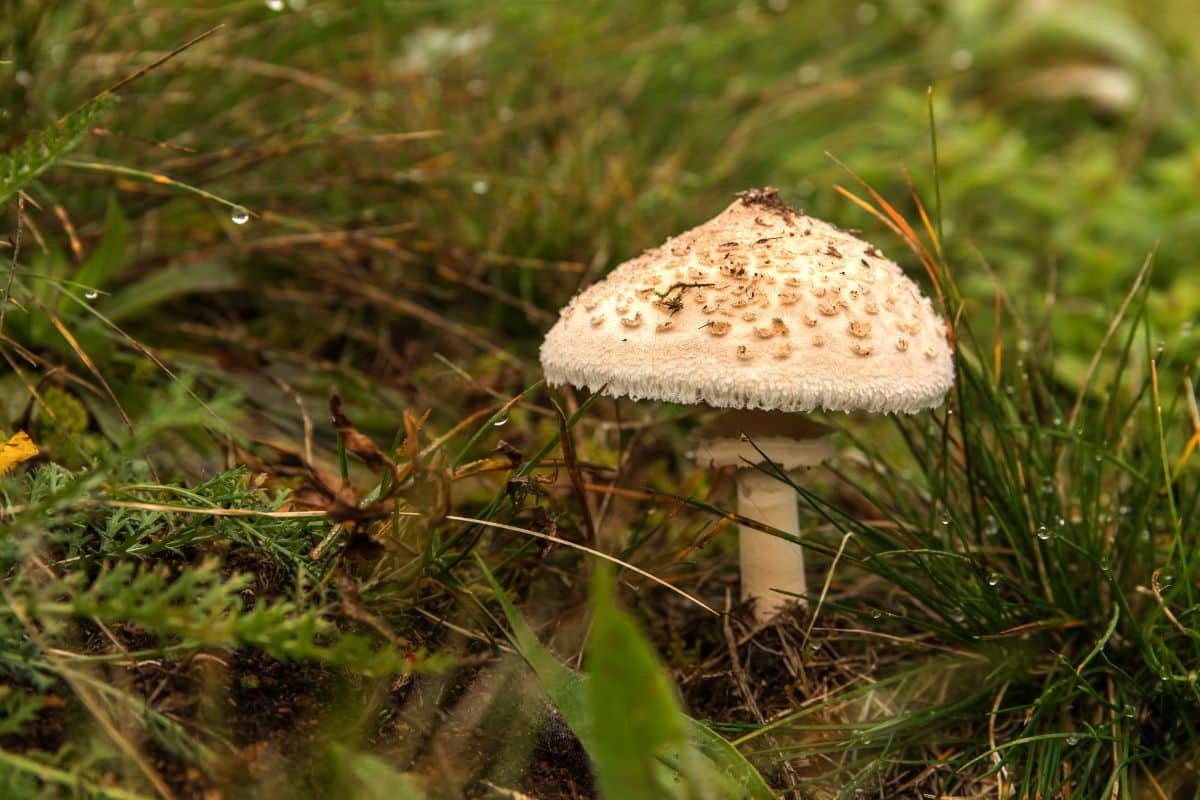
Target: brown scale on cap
{"type": "Point", "coordinates": [752, 275]}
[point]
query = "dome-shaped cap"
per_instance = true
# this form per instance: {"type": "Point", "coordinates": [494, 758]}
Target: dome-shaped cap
{"type": "Point", "coordinates": [760, 307]}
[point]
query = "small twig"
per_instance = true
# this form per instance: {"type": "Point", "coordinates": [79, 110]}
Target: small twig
{"type": "Point", "coordinates": [305, 419]}
{"type": "Point", "coordinates": [1156, 588]}
{"type": "Point", "coordinates": [12, 270]}
{"type": "Point", "coordinates": [825, 588]}
{"type": "Point", "coordinates": [735, 662]}
{"type": "Point", "coordinates": [128, 79]}
{"type": "Point", "coordinates": [743, 684]}
{"type": "Point", "coordinates": [1001, 770]}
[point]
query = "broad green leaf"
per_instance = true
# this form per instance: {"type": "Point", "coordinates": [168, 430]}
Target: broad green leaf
{"type": "Point", "coordinates": [374, 779]}
{"type": "Point", "coordinates": [635, 716]}
{"type": "Point", "coordinates": [705, 762]}
{"type": "Point", "coordinates": [109, 256]}
{"type": "Point", "coordinates": [168, 284]}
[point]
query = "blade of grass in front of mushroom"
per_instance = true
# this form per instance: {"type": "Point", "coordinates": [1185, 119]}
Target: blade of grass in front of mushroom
{"type": "Point", "coordinates": [936, 270]}
{"type": "Point", "coordinates": [524, 472]}
{"type": "Point", "coordinates": [1180, 549]}
{"type": "Point", "coordinates": [574, 699]}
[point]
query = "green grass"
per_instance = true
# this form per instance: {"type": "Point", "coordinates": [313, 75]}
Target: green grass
{"type": "Point", "coordinates": [210, 585]}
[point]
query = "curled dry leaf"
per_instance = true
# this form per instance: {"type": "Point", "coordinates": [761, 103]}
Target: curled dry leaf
{"type": "Point", "coordinates": [17, 449]}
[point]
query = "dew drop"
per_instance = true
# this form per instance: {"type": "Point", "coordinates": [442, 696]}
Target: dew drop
{"type": "Point", "coordinates": [990, 527]}
{"type": "Point", "coordinates": [945, 521]}
{"type": "Point", "coordinates": [90, 294]}
{"type": "Point", "coordinates": [500, 422]}
{"type": "Point", "coordinates": [958, 615]}
{"type": "Point", "coordinates": [240, 215]}
{"type": "Point", "coordinates": [993, 579]}
{"type": "Point", "coordinates": [1130, 711]}
{"type": "Point", "coordinates": [1043, 532]}
{"type": "Point", "coordinates": [815, 646]}
{"type": "Point", "coordinates": [275, 5]}
{"type": "Point", "coordinates": [877, 614]}
{"type": "Point", "coordinates": [480, 187]}
{"type": "Point", "coordinates": [1073, 740]}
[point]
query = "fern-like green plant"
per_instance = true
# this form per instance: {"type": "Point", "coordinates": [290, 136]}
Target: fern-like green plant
{"type": "Point", "coordinates": [42, 150]}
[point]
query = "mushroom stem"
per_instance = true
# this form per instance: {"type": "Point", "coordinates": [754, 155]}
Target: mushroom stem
{"type": "Point", "coordinates": [770, 564]}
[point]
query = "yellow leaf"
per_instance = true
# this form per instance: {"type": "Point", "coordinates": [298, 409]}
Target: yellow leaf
{"type": "Point", "coordinates": [17, 449]}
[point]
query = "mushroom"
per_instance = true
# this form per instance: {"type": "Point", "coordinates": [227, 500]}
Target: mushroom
{"type": "Point", "coordinates": [763, 309]}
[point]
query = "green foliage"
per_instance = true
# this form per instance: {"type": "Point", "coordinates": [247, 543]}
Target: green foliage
{"type": "Point", "coordinates": [1042, 534]}
{"type": "Point", "coordinates": [626, 715]}
{"type": "Point", "coordinates": [43, 149]}
{"type": "Point", "coordinates": [60, 424]}
{"type": "Point", "coordinates": [636, 719]}
{"type": "Point", "coordinates": [369, 778]}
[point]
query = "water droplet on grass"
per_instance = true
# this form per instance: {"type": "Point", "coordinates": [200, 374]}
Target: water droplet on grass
{"type": "Point", "coordinates": [239, 215]}
{"type": "Point", "coordinates": [480, 187]}
{"type": "Point", "coordinates": [1073, 740]}
{"type": "Point", "coordinates": [500, 422]}
{"type": "Point", "coordinates": [877, 614]}
{"type": "Point", "coordinates": [1043, 532]}
{"type": "Point", "coordinates": [275, 5]}
{"type": "Point", "coordinates": [990, 527]}
{"type": "Point", "coordinates": [90, 294]}
{"type": "Point", "coordinates": [993, 579]}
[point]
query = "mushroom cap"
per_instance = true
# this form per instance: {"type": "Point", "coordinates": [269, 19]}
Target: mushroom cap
{"type": "Point", "coordinates": [761, 307]}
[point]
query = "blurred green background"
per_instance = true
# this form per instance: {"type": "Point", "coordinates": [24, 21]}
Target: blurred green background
{"type": "Point", "coordinates": [483, 161]}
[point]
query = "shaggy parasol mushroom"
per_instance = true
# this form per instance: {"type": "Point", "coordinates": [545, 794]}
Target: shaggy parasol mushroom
{"type": "Point", "coordinates": [760, 308]}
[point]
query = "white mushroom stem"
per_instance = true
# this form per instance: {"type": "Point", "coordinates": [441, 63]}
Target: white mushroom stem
{"type": "Point", "coordinates": [770, 565]}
